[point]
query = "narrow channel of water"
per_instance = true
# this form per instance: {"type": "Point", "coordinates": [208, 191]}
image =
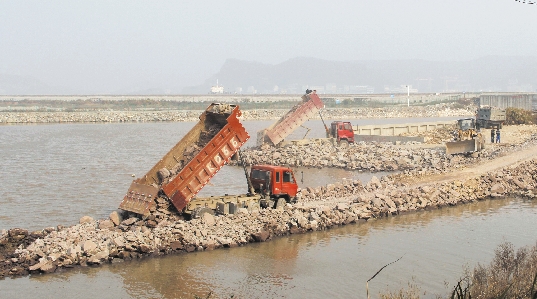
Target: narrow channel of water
{"type": "Point", "coordinates": [434, 245]}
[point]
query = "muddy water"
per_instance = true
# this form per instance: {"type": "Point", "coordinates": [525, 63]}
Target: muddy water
{"type": "Point", "coordinates": [54, 174]}
{"type": "Point", "coordinates": [434, 245]}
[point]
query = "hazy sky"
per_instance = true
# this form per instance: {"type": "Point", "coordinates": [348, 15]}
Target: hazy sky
{"type": "Point", "coordinates": [106, 46]}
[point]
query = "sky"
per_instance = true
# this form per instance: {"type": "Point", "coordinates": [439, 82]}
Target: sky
{"type": "Point", "coordinates": [111, 46]}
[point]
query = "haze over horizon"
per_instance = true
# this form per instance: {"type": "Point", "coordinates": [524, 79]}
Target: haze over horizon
{"type": "Point", "coordinates": [113, 47]}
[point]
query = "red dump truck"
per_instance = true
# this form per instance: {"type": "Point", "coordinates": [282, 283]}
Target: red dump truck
{"type": "Point", "coordinates": [287, 124]}
{"type": "Point", "coordinates": [342, 132]}
{"type": "Point", "coordinates": [195, 159]}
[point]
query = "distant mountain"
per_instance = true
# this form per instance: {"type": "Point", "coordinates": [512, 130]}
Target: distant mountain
{"type": "Point", "coordinates": [492, 73]}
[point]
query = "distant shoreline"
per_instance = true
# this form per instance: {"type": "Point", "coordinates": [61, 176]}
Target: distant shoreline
{"type": "Point", "coordinates": [44, 117]}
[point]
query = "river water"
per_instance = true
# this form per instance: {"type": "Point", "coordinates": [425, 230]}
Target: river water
{"type": "Point", "coordinates": [54, 174]}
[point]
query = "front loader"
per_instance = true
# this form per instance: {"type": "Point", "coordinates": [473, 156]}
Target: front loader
{"type": "Point", "coordinates": [467, 138]}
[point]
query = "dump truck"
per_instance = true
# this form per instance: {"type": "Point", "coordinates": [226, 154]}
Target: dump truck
{"type": "Point", "coordinates": [490, 118]}
{"type": "Point", "coordinates": [294, 118]}
{"type": "Point", "coordinates": [269, 187]}
{"type": "Point", "coordinates": [191, 163]}
{"type": "Point", "coordinates": [196, 158]}
{"type": "Point", "coordinates": [468, 139]}
{"type": "Point", "coordinates": [342, 132]}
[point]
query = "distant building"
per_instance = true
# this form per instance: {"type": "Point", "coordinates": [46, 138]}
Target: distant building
{"type": "Point", "coordinates": [400, 89]}
{"type": "Point", "coordinates": [217, 88]}
{"type": "Point", "coordinates": [502, 101]}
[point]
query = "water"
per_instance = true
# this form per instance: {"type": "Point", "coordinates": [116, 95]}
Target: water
{"type": "Point", "coordinates": [54, 174]}
{"type": "Point", "coordinates": [434, 245]}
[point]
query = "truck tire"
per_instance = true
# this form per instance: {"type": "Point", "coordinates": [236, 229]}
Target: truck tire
{"type": "Point", "coordinates": [343, 143]}
{"type": "Point", "coordinates": [280, 203]}
{"type": "Point", "coordinates": [266, 203]}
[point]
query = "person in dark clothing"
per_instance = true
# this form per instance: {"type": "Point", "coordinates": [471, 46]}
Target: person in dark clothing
{"type": "Point", "coordinates": [492, 136]}
{"type": "Point", "coordinates": [498, 136]}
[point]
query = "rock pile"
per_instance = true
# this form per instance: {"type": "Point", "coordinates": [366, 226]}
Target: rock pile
{"type": "Point", "coordinates": [439, 110]}
{"type": "Point", "coordinates": [371, 156]}
{"type": "Point", "coordinates": [92, 242]}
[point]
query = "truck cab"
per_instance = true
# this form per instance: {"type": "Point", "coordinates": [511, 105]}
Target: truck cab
{"type": "Point", "coordinates": [274, 181]}
{"type": "Point", "coordinates": [490, 118]}
{"type": "Point", "coordinates": [342, 131]}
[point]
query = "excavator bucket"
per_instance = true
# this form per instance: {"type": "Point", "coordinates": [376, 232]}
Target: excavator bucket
{"type": "Point", "coordinates": [463, 146]}
{"type": "Point", "coordinates": [287, 124]}
{"type": "Point", "coordinates": [192, 162]}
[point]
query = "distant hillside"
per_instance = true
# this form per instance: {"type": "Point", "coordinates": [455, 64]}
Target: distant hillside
{"type": "Point", "coordinates": [493, 73]}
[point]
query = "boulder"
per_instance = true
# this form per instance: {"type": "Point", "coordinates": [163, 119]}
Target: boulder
{"type": "Point", "coordinates": [88, 246]}
{"type": "Point", "coordinates": [115, 218]}
{"type": "Point", "coordinates": [106, 224]}
{"type": "Point", "coordinates": [47, 267]}
{"type": "Point", "coordinates": [130, 221]}
{"type": "Point", "coordinates": [176, 245]}
{"type": "Point", "coordinates": [208, 219]}
{"type": "Point", "coordinates": [85, 219]}
{"type": "Point", "coordinates": [497, 188]}
{"type": "Point", "coordinates": [261, 236]}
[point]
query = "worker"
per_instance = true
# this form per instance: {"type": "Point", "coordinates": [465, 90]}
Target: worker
{"type": "Point", "coordinates": [492, 136]}
{"type": "Point", "coordinates": [498, 136]}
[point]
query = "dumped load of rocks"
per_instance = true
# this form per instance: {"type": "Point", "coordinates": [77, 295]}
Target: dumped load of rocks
{"type": "Point", "coordinates": [371, 156]}
{"type": "Point", "coordinates": [93, 242]}
{"type": "Point", "coordinates": [438, 136]}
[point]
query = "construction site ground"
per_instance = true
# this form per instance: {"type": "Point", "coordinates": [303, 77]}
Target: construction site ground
{"type": "Point", "coordinates": [510, 135]}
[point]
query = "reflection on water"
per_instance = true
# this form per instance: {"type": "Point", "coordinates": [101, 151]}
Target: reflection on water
{"type": "Point", "coordinates": [435, 246]}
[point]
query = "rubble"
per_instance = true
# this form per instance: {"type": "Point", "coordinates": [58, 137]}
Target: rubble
{"type": "Point", "coordinates": [373, 157]}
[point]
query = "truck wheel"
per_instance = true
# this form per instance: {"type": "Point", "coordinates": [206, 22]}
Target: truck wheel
{"type": "Point", "coordinates": [198, 212]}
{"type": "Point", "coordinates": [280, 203]}
{"type": "Point", "coordinates": [343, 144]}
{"type": "Point", "coordinates": [266, 203]}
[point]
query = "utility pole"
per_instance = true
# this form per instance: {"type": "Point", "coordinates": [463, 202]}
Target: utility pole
{"type": "Point", "coordinates": [408, 95]}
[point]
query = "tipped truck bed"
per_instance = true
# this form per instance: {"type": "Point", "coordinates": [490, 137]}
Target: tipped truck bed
{"type": "Point", "coordinates": [192, 162]}
{"type": "Point", "coordinates": [299, 114]}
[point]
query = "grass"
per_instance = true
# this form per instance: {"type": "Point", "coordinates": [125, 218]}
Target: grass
{"type": "Point", "coordinates": [511, 274]}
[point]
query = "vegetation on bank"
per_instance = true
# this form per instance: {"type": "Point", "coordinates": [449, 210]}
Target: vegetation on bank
{"type": "Point", "coordinates": [517, 116]}
{"type": "Point", "coordinates": [511, 274]}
